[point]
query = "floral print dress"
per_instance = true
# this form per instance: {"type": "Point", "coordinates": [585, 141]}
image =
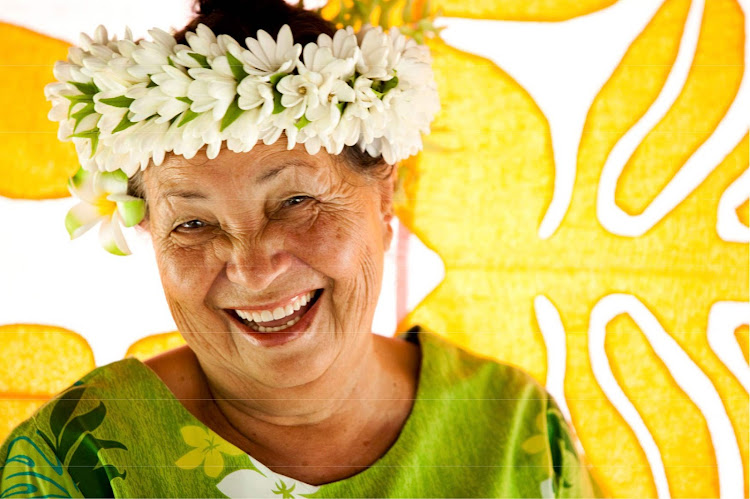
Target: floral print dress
{"type": "Point", "coordinates": [478, 428]}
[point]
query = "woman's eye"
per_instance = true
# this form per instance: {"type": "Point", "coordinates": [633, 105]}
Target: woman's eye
{"type": "Point", "coordinates": [296, 200]}
{"type": "Point", "coordinates": [192, 225]}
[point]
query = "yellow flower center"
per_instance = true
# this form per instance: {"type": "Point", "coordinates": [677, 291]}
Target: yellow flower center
{"type": "Point", "coordinates": [104, 206]}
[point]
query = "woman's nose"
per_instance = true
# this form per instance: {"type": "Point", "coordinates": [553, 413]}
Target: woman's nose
{"type": "Point", "coordinates": [256, 266]}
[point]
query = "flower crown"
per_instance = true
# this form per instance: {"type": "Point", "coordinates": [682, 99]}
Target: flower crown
{"type": "Point", "coordinates": [125, 104]}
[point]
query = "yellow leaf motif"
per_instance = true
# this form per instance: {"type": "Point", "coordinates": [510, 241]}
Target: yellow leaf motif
{"type": "Point", "coordinates": [208, 449]}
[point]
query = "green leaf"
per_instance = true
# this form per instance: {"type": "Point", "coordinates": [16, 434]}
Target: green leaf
{"type": "Point", "coordinates": [186, 100]}
{"type": "Point", "coordinates": [82, 113]}
{"type": "Point", "coordinates": [120, 101]}
{"type": "Point", "coordinates": [75, 99]}
{"type": "Point", "coordinates": [236, 66]}
{"type": "Point", "coordinates": [277, 106]}
{"type": "Point", "coordinates": [79, 177]}
{"type": "Point", "coordinates": [78, 426]}
{"type": "Point", "coordinates": [170, 61]}
{"type": "Point", "coordinates": [187, 117]}
{"type": "Point", "coordinates": [92, 134]}
{"type": "Point", "coordinates": [276, 78]}
{"type": "Point", "coordinates": [390, 84]}
{"type": "Point", "coordinates": [123, 124]}
{"type": "Point", "coordinates": [302, 122]}
{"type": "Point", "coordinates": [49, 443]}
{"type": "Point", "coordinates": [85, 468]}
{"type": "Point", "coordinates": [63, 410]}
{"type": "Point", "coordinates": [233, 112]}
{"type": "Point", "coordinates": [202, 60]}
{"type": "Point", "coordinates": [85, 88]}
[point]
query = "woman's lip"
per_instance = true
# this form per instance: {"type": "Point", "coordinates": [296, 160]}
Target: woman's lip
{"type": "Point", "coordinates": [272, 306]}
{"type": "Point", "coordinates": [280, 337]}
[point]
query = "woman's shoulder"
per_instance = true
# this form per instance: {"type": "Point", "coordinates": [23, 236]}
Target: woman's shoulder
{"type": "Point", "coordinates": [454, 367]}
{"type": "Point", "coordinates": [102, 387]}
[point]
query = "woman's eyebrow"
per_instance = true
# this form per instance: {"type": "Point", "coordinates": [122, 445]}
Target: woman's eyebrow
{"type": "Point", "coordinates": [179, 193]}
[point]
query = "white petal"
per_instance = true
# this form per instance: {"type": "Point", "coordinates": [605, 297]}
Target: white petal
{"type": "Point", "coordinates": [81, 218]}
{"type": "Point", "coordinates": [111, 238]}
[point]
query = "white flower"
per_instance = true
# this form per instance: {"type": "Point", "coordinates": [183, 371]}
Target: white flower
{"type": "Point", "coordinates": [203, 41]}
{"type": "Point", "coordinates": [125, 104]}
{"type": "Point", "coordinates": [322, 60]}
{"type": "Point", "coordinates": [150, 56]}
{"type": "Point", "coordinates": [242, 134]}
{"type": "Point", "coordinates": [325, 116]}
{"type": "Point", "coordinates": [266, 57]}
{"type": "Point", "coordinates": [375, 48]}
{"type": "Point", "coordinates": [103, 199]}
{"type": "Point", "coordinates": [299, 92]}
{"type": "Point", "coordinates": [255, 94]}
{"type": "Point", "coordinates": [106, 104]}
{"type": "Point", "coordinates": [213, 89]}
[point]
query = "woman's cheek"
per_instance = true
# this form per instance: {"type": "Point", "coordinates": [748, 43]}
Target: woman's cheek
{"type": "Point", "coordinates": [186, 271]}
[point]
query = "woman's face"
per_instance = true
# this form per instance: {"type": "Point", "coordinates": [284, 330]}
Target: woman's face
{"type": "Point", "coordinates": [229, 233]}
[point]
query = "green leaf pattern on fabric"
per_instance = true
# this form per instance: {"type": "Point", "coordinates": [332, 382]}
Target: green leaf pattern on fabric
{"type": "Point", "coordinates": [32, 468]}
{"type": "Point", "coordinates": [75, 452]}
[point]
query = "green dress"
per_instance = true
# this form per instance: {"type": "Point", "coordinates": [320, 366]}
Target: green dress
{"type": "Point", "coordinates": [478, 428]}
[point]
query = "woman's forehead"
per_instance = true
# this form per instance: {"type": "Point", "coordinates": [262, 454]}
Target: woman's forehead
{"type": "Point", "coordinates": [251, 168]}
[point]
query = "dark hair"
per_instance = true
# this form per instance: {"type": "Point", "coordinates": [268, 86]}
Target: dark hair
{"type": "Point", "coordinates": [241, 19]}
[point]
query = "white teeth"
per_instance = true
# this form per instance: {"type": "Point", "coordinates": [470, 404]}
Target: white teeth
{"type": "Point", "coordinates": [277, 328]}
{"type": "Point", "coordinates": [277, 313]}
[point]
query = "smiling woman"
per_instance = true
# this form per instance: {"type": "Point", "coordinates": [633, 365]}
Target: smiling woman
{"type": "Point", "coordinates": [265, 182]}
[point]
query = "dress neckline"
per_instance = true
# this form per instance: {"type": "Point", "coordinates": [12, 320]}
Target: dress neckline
{"type": "Point", "coordinates": [392, 456]}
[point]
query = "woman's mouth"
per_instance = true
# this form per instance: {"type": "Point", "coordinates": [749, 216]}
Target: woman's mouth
{"type": "Point", "coordinates": [271, 321]}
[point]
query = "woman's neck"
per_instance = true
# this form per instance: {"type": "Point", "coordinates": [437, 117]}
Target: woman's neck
{"type": "Point", "coordinates": [342, 422]}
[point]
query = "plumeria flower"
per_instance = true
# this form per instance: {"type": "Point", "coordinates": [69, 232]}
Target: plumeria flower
{"type": "Point", "coordinates": [103, 199]}
{"type": "Point", "coordinates": [266, 57]}
{"type": "Point", "coordinates": [208, 448]}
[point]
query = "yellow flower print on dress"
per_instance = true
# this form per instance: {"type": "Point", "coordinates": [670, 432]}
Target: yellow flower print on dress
{"type": "Point", "coordinates": [538, 442]}
{"type": "Point", "coordinates": [208, 450]}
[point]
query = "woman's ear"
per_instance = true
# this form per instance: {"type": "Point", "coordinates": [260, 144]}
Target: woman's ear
{"type": "Point", "coordinates": [143, 226]}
